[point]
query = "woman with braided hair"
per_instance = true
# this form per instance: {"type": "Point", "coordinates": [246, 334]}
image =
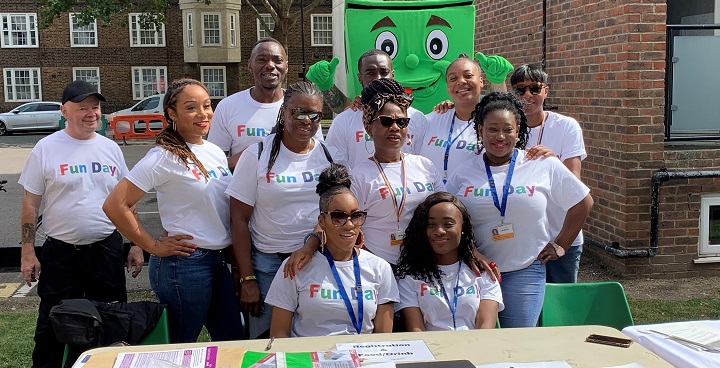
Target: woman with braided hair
{"type": "Point", "coordinates": [273, 203]}
{"type": "Point", "coordinates": [507, 195]}
{"type": "Point", "coordinates": [188, 271]}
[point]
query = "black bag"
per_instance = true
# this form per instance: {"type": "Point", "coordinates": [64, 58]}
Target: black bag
{"type": "Point", "coordinates": [77, 322]}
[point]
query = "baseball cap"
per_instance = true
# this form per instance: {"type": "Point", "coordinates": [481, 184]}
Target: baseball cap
{"type": "Point", "coordinates": [80, 90]}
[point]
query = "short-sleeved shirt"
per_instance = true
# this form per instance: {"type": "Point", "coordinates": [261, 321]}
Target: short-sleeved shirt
{"type": "Point", "coordinates": [436, 138]}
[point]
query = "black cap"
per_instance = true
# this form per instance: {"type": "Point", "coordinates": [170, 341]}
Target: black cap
{"type": "Point", "coordinates": [80, 90]}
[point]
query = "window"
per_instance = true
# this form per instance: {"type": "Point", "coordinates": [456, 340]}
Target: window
{"type": "Point", "coordinates": [22, 84]}
{"type": "Point", "coordinates": [261, 33]}
{"type": "Point", "coordinates": [211, 29]}
{"type": "Point", "coordinates": [90, 75]}
{"type": "Point", "coordinates": [321, 30]}
{"type": "Point", "coordinates": [19, 30]}
{"type": "Point", "coordinates": [148, 80]}
{"type": "Point", "coordinates": [710, 225]}
{"type": "Point", "coordinates": [233, 30]}
{"type": "Point", "coordinates": [82, 36]}
{"type": "Point", "coordinates": [141, 36]}
{"type": "Point", "coordinates": [190, 34]}
{"type": "Point", "coordinates": [49, 107]}
{"type": "Point", "coordinates": [214, 79]}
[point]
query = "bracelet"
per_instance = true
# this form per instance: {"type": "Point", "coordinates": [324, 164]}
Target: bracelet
{"type": "Point", "coordinates": [248, 278]}
{"type": "Point", "coordinates": [310, 235]}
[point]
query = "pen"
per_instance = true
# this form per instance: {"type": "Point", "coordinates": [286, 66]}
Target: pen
{"type": "Point", "coordinates": [269, 345]}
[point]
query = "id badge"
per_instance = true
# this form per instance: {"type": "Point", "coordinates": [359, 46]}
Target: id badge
{"type": "Point", "coordinates": [503, 232]}
{"type": "Point", "coordinates": [396, 237]}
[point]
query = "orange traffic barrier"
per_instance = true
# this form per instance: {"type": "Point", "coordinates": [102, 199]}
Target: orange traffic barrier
{"type": "Point", "coordinates": [137, 126]}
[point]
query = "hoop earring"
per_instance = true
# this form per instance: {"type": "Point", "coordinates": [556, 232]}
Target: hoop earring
{"type": "Point", "coordinates": [367, 150]}
{"type": "Point", "coordinates": [323, 238]}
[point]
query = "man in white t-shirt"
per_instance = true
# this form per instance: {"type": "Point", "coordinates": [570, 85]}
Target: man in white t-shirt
{"type": "Point", "coordinates": [249, 116]}
{"type": "Point", "coordinates": [71, 172]}
{"type": "Point", "coordinates": [562, 136]}
{"type": "Point", "coordinates": [347, 133]}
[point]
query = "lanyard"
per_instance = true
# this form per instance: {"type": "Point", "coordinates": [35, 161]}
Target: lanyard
{"type": "Point", "coordinates": [450, 142]}
{"type": "Point", "coordinates": [358, 289]}
{"type": "Point", "coordinates": [398, 208]}
{"type": "Point", "coordinates": [506, 186]}
{"type": "Point", "coordinates": [453, 306]}
{"type": "Point", "coordinates": [542, 126]}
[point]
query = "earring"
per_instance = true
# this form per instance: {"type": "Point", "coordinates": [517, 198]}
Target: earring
{"type": "Point", "coordinates": [366, 148]}
{"type": "Point", "coordinates": [323, 237]}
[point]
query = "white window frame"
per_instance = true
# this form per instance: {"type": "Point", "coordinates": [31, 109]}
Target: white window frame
{"type": "Point", "coordinates": [268, 19]}
{"type": "Point", "coordinates": [232, 22]}
{"type": "Point", "coordinates": [706, 249]}
{"type": "Point", "coordinates": [83, 30]}
{"type": "Point", "coordinates": [189, 27]}
{"type": "Point", "coordinates": [95, 70]}
{"type": "Point", "coordinates": [10, 87]}
{"type": "Point", "coordinates": [136, 33]}
{"type": "Point", "coordinates": [30, 31]}
{"type": "Point", "coordinates": [207, 83]}
{"type": "Point", "coordinates": [218, 30]}
{"type": "Point", "coordinates": [138, 86]}
{"type": "Point", "coordinates": [313, 19]}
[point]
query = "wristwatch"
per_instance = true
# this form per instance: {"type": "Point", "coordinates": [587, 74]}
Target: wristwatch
{"type": "Point", "coordinates": [560, 251]}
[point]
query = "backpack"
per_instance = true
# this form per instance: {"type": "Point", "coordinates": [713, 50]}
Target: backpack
{"type": "Point", "coordinates": [77, 322]}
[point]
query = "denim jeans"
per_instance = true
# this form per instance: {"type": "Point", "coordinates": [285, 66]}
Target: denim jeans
{"type": "Point", "coordinates": [265, 266]}
{"type": "Point", "coordinates": [198, 291]}
{"type": "Point", "coordinates": [523, 292]}
{"type": "Point", "coordinates": [564, 270]}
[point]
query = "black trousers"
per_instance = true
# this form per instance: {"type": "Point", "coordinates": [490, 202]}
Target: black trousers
{"type": "Point", "coordinates": [95, 271]}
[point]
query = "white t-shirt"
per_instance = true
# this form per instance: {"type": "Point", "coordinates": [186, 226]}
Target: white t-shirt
{"type": "Point", "coordinates": [347, 134]}
{"type": "Point", "coordinates": [534, 184]}
{"type": "Point", "coordinates": [436, 313]}
{"type": "Point", "coordinates": [240, 121]}
{"type": "Point", "coordinates": [314, 297]}
{"type": "Point", "coordinates": [74, 177]}
{"type": "Point", "coordinates": [188, 204]}
{"type": "Point", "coordinates": [285, 203]}
{"type": "Point", "coordinates": [434, 140]}
{"type": "Point", "coordinates": [374, 197]}
{"type": "Point", "coordinates": [563, 136]}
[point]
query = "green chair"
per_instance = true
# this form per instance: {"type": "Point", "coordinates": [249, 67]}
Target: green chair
{"type": "Point", "coordinates": [597, 303]}
{"type": "Point", "coordinates": [160, 334]}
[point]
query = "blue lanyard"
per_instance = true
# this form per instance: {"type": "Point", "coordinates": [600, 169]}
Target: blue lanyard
{"type": "Point", "coordinates": [450, 142]}
{"type": "Point", "coordinates": [453, 306]}
{"type": "Point", "coordinates": [506, 186]}
{"type": "Point", "coordinates": [357, 322]}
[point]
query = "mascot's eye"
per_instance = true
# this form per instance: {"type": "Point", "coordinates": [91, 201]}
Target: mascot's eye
{"type": "Point", "coordinates": [437, 44]}
{"type": "Point", "coordinates": [387, 42]}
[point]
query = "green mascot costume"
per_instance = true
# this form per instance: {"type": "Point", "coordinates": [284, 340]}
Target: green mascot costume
{"type": "Point", "coordinates": [422, 37]}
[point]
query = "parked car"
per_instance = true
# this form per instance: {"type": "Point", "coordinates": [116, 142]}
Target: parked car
{"type": "Point", "coordinates": [148, 105]}
{"type": "Point", "coordinates": [38, 115]}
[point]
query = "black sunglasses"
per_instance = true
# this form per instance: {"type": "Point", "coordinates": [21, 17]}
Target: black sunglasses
{"type": "Point", "coordinates": [300, 114]}
{"type": "Point", "coordinates": [387, 121]}
{"type": "Point", "coordinates": [534, 88]}
{"type": "Point", "coordinates": [339, 218]}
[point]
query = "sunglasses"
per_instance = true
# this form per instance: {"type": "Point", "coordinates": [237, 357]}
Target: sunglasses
{"type": "Point", "coordinates": [300, 114]}
{"type": "Point", "coordinates": [534, 88]}
{"type": "Point", "coordinates": [387, 121]}
{"type": "Point", "coordinates": [340, 218]}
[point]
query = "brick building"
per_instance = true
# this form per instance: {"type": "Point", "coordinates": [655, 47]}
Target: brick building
{"type": "Point", "coordinates": [211, 43]}
{"type": "Point", "coordinates": [607, 67]}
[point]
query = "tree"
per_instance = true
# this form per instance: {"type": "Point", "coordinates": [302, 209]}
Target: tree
{"type": "Point", "coordinates": [285, 18]}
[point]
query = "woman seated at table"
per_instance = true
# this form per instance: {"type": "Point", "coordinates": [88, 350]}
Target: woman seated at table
{"type": "Point", "coordinates": [507, 192]}
{"type": "Point", "coordinates": [438, 290]}
{"type": "Point", "coordinates": [324, 299]}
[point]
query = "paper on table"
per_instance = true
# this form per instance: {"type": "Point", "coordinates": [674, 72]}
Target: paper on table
{"type": "Point", "coordinates": [694, 333]}
{"type": "Point", "coordinates": [203, 357]}
{"type": "Point", "coordinates": [385, 351]}
{"type": "Point", "coordinates": [381, 365]}
{"type": "Point", "coordinates": [554, 364]}
{"type": "Point", "coordinates": [81, 362]}
{"type": "Point", "coordinates": [318, 359]}
{"type": "Point", "coordinates": [631, 365]}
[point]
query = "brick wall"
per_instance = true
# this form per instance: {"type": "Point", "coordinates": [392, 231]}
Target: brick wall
{"type": "Point", "coordinates": [606, 66]}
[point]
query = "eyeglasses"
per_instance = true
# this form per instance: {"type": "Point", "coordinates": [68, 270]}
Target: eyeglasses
{"type": "Point", "coordinates": [534, 88]}
{"type": "Point", "coordinates": [388, 121]}
{"type": "Point", "coordinates": [300, 114]}
{"type": "Point", "coordinates": [339, 218]}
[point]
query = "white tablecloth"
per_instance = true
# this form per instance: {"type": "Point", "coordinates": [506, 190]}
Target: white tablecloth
{"type": "Point", "coordinates": [677, 354]}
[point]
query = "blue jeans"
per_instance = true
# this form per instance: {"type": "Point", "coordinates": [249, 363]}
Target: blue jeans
{"type": "Point", "coordinates": [523, 292]}
{"type": "Point", "coordinates": [564, 270]}
{"type": "Point", "coordinates": [198, 291]}
{"type": "Point", "coordinates": [265, 266]}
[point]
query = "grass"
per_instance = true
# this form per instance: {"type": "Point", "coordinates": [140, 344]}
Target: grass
{"type": "Point", "coordinates": [17, 328]}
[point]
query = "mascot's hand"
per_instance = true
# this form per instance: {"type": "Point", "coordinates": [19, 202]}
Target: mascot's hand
{"type": "Point", "coordinates": [495, 67]}
{"type": "Point", "coordinates": [322, 73]}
